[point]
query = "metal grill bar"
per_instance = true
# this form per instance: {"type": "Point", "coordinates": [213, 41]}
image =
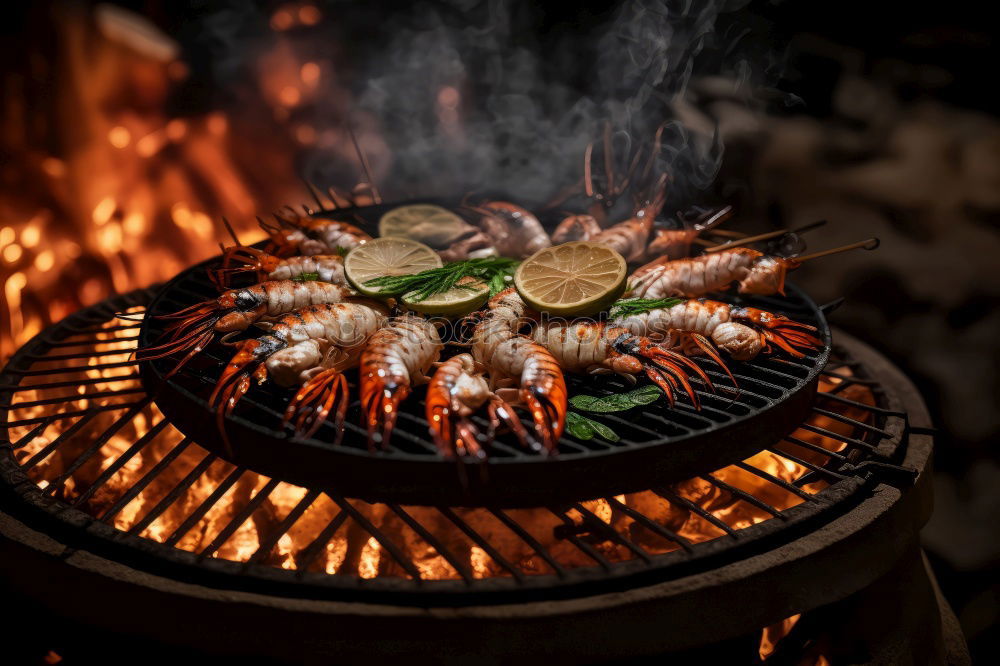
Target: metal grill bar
{"type": "Point", "coordinates": [99, 443]}
{"type": "Point", "coordinates": [47, 450]}
{"type": "Point", "coordinates": [596, 523]}
{"type": "Point", "coordinates": [456, 563]}
{"type": "Point", "coordinates": [144, 481]}
{"type": "Point", "coordinates": [852, 422]}
{"type": "Point", "coordinates": [673, 497]}
{"type": "Point", "coordinates": [18, 388]}
{"type": "Point", "coordinates": [119, 462]}
{"type": "Point", "coordinates": [167, 500]}
{"type": "Point", "coordinates": [205, 506]}
{"type": "Point", "coordinates": [79, 412]}
{"type": "Point", "coordinates": [271, 540]}
{"type": "Point", "coordinates": [530, 540]}
{"type": "Point", "coordinates": [68, 399]}
{"type": "Point", "coordinates": [743, 495]}
{"type": "Point", "coordinates": [481, 542]}
{"type": "Point", "coordinates": [834, 436]}
{"type": "Point", "coordinates": [240, 518]}
{"type": "Point", "coordinates": [383, 540]}
{"type": "Point", "coordinates": [649, 524]}
{"type": "Point", "coordinates": [860, 405]}
{"type": "Point", "coordinates": [775, 480]}
{"type": "Point", "coordinates": [316, 546]}
{"type": "Point", "coordinates": [93, 341]}
{"type": "Point", "coordinates": [62, 371]}
{"type": "Point", "coordinates": [791, 439]}
{"type": "Point", "coordinates": [569, 534]}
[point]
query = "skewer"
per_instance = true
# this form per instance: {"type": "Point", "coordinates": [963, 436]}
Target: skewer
{"type": "Point", "coordinates": [728, 233]}
{"type": "Point", "coordinates": [314, 191]}
{"type": "Point", "coordinates": [365, 166]}
{"type": "Point", "coordinates": [765, 236]}
{"type": "Point", "coordinates": [338, 199]}
{"type": "Point", "coordinates": [609, 169]}
{"type": "Point", "coordinates": [868, 244]}
{"type": "Point", "coordinates": [588, 176]}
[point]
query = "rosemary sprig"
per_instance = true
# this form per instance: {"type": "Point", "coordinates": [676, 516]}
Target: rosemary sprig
{"type": "Point", "coordinates": [423, 285]}
{"type": "Point", "coordinates": [635, 306]}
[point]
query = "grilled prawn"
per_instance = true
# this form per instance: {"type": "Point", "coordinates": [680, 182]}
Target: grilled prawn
{"type": "Point", "coordinates": [514, 230]}
{"type": "Point", "coordinates": [310, 347]}
{"type": "Point", "coordinates": [576, 227]}
{"type": "Point", "coordinates": [630, 238]}
{"type": "Point", "coordinates": [596, 347]}
{"type": "Point", "coordinates": [756, 272]}
{"type": "Point", "coordinates": [236, 310]}
{"type": "Point", "coordinates": [396, 359]}
{"type": "Point", "coordinates": [456, 391]}
{"type": "Point", "coordinates": [305, 235]}
{"type": "Point", "coordinates": [520, 370]}
{"type": "Point", "coordinates": [741, 332]}
{"type": "Point", "coordinates": [676, 243]}
{"type": "Point", "coordinates": [320, 267]}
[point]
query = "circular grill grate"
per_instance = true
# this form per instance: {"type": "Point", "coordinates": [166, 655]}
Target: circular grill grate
{"type": "Point", "coordinates": [658, 444]}
{"type": "Point", "coordinates": [86, 459]}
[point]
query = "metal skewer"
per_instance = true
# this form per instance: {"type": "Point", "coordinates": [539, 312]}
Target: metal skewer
{"type": "Point", "coordinates": [765, 236]}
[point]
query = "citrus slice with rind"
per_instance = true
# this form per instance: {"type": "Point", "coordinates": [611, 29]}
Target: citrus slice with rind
{"type": "Point", "coordinates": [425, 223]}
{"type": "Point", "coordinates": [387, 256]}
{"type": "Point", "coordinates": [573, 279]}
{"type": "Point", "coordinates": [467, 296]}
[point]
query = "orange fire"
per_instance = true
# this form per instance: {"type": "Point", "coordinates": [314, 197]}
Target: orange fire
{"type": "Point", "coordinates": [104, 191]}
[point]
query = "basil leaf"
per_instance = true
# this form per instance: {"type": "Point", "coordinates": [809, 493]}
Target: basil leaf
{"type": "Point", "coordinates": [584, 402]}
{"type": "Point", "coordinates": [604, 431]}
{"type": "Point", "coordinates": [617, 402]}
{"type": "Point", "coordinates": [579, 426]}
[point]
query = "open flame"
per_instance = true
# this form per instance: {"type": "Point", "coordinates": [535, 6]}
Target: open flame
{"type": "Point", "coordinates": [105, 190]}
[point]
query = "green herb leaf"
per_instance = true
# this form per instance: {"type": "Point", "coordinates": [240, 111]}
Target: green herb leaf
{"type": "Point", "coordinates": [342, 251]}
{"type": "Point", "coordinates": [584, 428]}
{"type": "Point", "coordinates": [635, 306]}
{"type": "Point", "coordinates": [617, 402]}
{"type": "Point", "coordinates": [579, 426]}
{"type": "Point", "coordinates": [604, 431]}
{"type": "Point", "coordinates": [425, 284]}
{"type": "Point", "coordinates": [304, 277]}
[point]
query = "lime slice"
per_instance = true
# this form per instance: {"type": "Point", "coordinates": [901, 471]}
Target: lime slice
{"type": "Point", "coordinates": [387, 256]}
{"type": "Point", "coordinates": [433, 225]}
{"type": "Point", "coordinates": [572, 279]}
{"type": "Point", "coordinates": [455, 301]}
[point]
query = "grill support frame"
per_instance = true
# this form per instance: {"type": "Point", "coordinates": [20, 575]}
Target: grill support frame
{"type": "Point", "coordinates": [827, 564]}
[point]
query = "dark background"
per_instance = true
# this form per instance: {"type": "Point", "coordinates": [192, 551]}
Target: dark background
{"type": "Point", "coordinates": [885, 125]}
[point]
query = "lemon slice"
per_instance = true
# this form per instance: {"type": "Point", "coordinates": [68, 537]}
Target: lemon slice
{"type": "Point", "coordinates": [387, 256]}
{"type": "Point", "coordinates": [572, 279]}
{"type": "Point", "coordinates": [427, 223]}
{"type": "Point", "coordinates": [455, 301]}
